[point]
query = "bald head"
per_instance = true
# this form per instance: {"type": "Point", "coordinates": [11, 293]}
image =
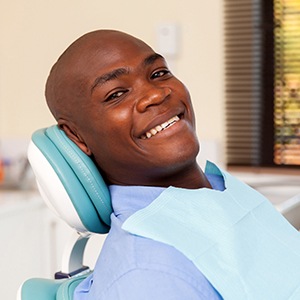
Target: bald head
{"type": "Point", "coordinates": [69, 81]}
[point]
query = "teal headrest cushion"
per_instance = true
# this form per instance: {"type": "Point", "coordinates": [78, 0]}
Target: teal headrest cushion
{"type": "Point", "coordinates": [79, 176]}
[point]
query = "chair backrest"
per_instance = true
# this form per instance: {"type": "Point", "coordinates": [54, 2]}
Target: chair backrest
{"type": "Point", "coordinates": [74, 189]}
{"type": "Point", "coordinates": [69, 181]}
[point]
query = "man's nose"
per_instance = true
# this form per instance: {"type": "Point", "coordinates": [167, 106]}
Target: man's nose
{"type": "Point", "coordinates": [152, 96]}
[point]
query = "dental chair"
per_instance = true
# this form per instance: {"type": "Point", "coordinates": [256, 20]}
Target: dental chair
{"type": "Point", "coordinates": [73, 188]}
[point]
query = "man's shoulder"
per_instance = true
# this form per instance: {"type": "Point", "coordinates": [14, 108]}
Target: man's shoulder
{"type": "Point", "coordinates": [127, 260]}
{"type": "Point", "coordinates": [123, 252]}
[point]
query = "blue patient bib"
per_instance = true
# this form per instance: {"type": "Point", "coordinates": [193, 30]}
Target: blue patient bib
{"type": "Point", "coordinates": [235, 237]}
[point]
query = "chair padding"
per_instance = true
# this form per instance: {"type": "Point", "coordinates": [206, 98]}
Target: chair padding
{"type": "Point", "coordinates": [67, 289]}
{"type": "Point", "coordinates": [40, 289]}
{"type": "Point", "coordinates": [50, 289]}
{"type": "Point", "coordinates": [77, 175]}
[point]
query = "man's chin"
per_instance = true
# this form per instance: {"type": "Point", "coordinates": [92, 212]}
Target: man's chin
{"type": "Point", "coordinates": [178, 158]}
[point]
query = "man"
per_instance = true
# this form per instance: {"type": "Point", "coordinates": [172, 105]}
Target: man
{"type": "Point", "coordinates": [118, 101]}
{"type": "Point", "coordinates": [176, 233]}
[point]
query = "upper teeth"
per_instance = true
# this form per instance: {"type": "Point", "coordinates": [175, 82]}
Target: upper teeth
{"type": "Point", "coordinates": [160, 127]}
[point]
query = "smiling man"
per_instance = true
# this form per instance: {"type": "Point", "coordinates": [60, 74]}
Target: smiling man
{"type": "Point", "coordinates": [118, 101]}
{"type": "Point", "coordinates": [176, 232]}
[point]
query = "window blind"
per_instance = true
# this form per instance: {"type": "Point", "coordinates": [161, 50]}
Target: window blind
{"type": "Point", "coordinates": [262, 82]}
{"type": "Point", "coordinates": [243, 81]}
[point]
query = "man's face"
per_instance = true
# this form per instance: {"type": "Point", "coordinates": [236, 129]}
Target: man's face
{"type": "Point", "coordinates": [137, 118]}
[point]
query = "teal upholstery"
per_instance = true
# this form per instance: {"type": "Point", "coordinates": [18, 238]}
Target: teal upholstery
{"type": "Point", "coordinates": [77, 178]}
{"type": "Point", "coordinates": [50, 289]}
{"type": "Point", "coordinates": [80, 177]}
{"type": "Point", "coordinates": [40, 289]}
{"type": "Point", "coordinates": [66, 290]}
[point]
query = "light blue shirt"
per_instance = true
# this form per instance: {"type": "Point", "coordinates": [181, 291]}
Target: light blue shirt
{"type": "Point", "coordinates": [134, 268]}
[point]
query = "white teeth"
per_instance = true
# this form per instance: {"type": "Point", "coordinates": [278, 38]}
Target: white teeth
{"type": "Point", "coordinates": [153, 131]}
{"type": "Point", "coordinates": [164, 125]}
{"type": "Point", "coordinates": [160, 127]}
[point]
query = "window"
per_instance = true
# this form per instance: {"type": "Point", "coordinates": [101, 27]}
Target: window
{"type": "Point", "coordinates": [287, 82]}
{"type": "Point", "coordinates": [262, 82]}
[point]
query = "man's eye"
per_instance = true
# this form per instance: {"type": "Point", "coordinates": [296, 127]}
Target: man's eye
{"type": "Point", "coordinates": [115, 95]}
{"type": "Point", "coordinates": [160, 73]}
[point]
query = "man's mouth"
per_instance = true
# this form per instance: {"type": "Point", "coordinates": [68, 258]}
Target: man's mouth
{"type": "Point", "coordinates": [158, 128]}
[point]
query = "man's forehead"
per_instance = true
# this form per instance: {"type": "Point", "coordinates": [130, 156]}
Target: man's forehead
{"type": "Point", "coordinates": [81, 63]}
{"type": "Point", "coordinates": [94, 55]}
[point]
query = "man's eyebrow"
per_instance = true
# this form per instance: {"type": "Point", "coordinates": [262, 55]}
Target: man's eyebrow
{"type": "Point", "coordinates": [109, 76]}
{"type": "Point", "coordinates": [152, 58]}
{"type": "Point", "coordinates": [122, 71]}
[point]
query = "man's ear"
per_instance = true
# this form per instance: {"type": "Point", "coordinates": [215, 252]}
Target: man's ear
{"type": "Point", "coordinates": [74, 136]}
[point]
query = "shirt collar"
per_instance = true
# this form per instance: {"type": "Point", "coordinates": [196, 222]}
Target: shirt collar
{"type": "Point", "coordinates": [126, 200]}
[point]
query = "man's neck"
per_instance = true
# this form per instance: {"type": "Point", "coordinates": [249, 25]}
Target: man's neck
{"type": "Point", "coordinates": [189, 178]}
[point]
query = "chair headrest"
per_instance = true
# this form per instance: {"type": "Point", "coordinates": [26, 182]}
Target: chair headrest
{"type": "Point", "coordinates": [69, 181]}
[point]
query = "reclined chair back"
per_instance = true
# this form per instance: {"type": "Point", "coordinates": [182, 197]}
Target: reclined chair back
{"type": "Point", "coordinates": [74, 189]}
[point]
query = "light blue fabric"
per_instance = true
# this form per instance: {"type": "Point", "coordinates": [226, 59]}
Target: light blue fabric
{"type": "Point", "coordinates": [243, 246]}
{"type": "Point", "coordinates": [135, 268]}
